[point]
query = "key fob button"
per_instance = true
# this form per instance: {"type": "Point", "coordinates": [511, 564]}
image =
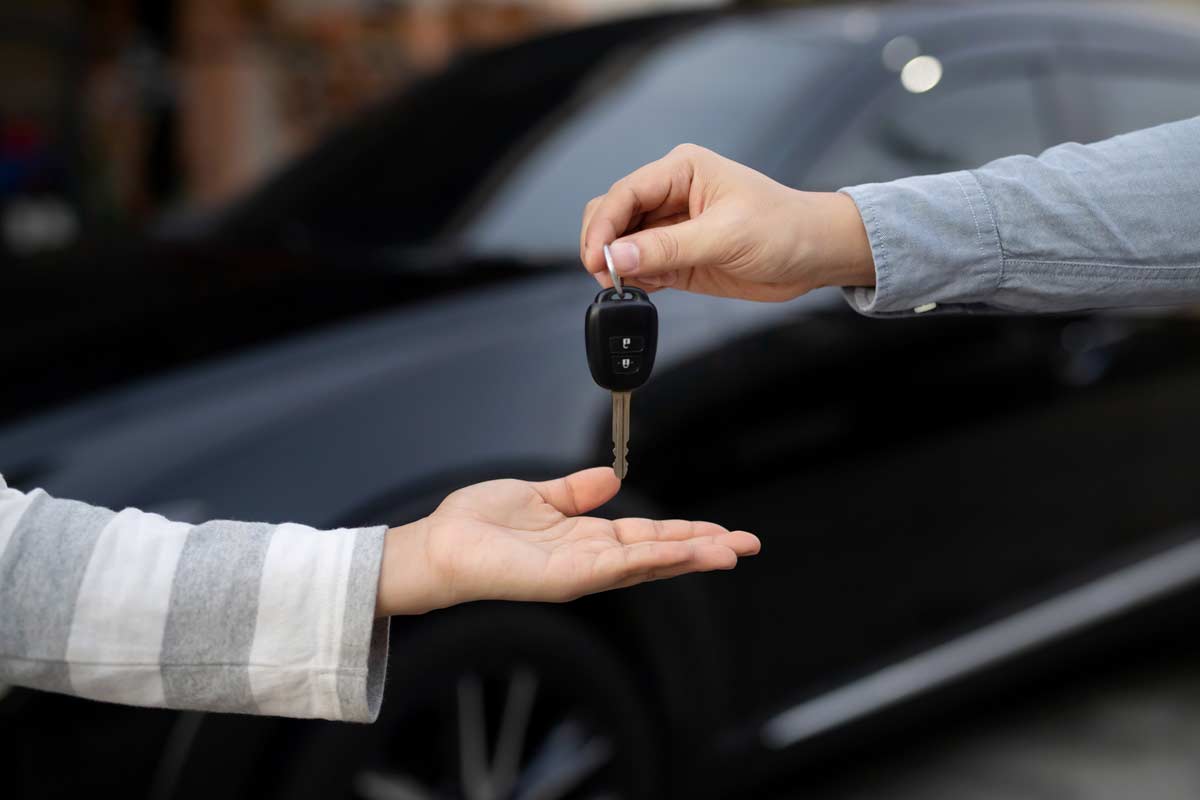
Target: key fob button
{"type": "Point", "coordinates": [626, 365]}
{"type": "Point", "coordinates": [626, 344]}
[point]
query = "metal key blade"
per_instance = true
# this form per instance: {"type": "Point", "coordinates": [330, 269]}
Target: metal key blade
{"type": "Point", "coordinates": [620, 431]}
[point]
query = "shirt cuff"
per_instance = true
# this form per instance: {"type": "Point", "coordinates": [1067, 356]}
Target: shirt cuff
{"type": "Point", "coordinates": [935, 244]}
{"type": "Point", "coordinates": [318, 649]}
{"type": "Point", "coordinates": [364, 646]}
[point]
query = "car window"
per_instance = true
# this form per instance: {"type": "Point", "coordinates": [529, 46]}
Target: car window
{"type": "Point", "coordinates": [958, 124]}
{"type": "Point", "coordinates": [730, 88]}
{"type": "Point", "coordinates": [1127, 103]}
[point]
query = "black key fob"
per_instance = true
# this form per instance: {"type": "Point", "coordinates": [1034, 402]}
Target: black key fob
{"type": "Point", "coordinates": [621, 333]}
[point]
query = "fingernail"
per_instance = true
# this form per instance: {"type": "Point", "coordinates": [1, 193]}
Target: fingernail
{"type": "Point", "coordinates": [625, 257]}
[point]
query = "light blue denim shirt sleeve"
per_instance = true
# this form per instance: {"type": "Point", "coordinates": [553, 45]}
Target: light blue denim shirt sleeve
{"type": "Point", "coordinates": [1115, 223]}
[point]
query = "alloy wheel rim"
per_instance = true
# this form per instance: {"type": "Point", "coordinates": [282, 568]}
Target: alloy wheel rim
{"type": "Point", "coordinates": [508, 760]}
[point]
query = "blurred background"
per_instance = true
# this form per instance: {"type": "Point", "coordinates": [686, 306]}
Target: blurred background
{"type": "Point", "coordinates": [315, 260]}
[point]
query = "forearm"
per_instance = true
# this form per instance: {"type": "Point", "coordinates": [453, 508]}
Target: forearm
{"type": "Point", "coordinates": [1081, 226]}
{"type": "Point", "coordinates": [132, 608]}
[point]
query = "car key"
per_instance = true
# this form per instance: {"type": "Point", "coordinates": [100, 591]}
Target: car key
{"type": "Point", "coordinates": [621, 334]}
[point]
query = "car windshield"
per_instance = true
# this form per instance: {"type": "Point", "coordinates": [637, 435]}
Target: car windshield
{"type": "Point", "coordinates": [732, 88]}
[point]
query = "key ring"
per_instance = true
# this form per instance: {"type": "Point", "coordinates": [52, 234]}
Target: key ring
{"type": "Point", "coordinates": [612, 271]}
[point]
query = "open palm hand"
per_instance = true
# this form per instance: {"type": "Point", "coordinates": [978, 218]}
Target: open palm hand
{"type": "Point", "coordinates": [516, 540]}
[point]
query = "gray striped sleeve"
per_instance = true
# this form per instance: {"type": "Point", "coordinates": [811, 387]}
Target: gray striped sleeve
{"type": "Point", "coordinates": [224, 616]}
{"type": "Point", "coordinates": [41, 570]}
{"type": "Point", "coordinates": [365, 643]}
{"type": "Point", "coordinates": [210, 622]}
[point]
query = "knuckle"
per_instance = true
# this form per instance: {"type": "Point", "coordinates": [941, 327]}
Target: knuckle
{"type": "Point", "coordinates": [667, 246]}
{"type": "Point", "coordinates": [689, 150]}
{"type": "Point", "coordinates": [590, 210]}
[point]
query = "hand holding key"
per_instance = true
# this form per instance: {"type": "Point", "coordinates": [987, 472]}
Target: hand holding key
{"type": "Point", "coordinates": [515, 540]}
{"type": "Point", "coordinates": [696, 221]}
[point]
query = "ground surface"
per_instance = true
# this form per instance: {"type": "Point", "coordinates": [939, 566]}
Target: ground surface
{"type": "Point", "coordinates": [1130, 736]}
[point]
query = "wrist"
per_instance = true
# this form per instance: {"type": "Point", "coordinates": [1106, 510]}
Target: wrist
{"type": "Point", "coordinates": [835, 248]}
{"type": "Point", "coordinates": [407, 583]}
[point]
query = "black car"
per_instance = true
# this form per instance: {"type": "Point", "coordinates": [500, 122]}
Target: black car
{"type": "Point", "coordinates": [950, 508]}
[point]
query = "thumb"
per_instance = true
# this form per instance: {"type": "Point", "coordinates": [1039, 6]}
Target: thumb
{"type": "Point", "coordinates": [663, 249]}
{"type": "Point", "coordinates": [580, 492]}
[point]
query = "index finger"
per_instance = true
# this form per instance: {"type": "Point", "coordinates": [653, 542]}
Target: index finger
{"type": "Point", "coordinates": [659, 188]}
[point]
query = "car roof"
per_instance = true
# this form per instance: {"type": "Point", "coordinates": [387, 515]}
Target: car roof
{"type": "Point", "coordinates": [867, 24]}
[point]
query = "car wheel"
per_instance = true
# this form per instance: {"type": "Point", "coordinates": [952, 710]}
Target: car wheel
{"type": "Point", "coordinates": [491, 702]}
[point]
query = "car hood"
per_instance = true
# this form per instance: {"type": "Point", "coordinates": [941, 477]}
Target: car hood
{"type": "Point", "coordinates": [315, 427]}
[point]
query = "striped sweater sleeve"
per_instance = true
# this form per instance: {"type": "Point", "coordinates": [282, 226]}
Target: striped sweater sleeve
{"type": "Point", "coordinates": [132, 608]}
